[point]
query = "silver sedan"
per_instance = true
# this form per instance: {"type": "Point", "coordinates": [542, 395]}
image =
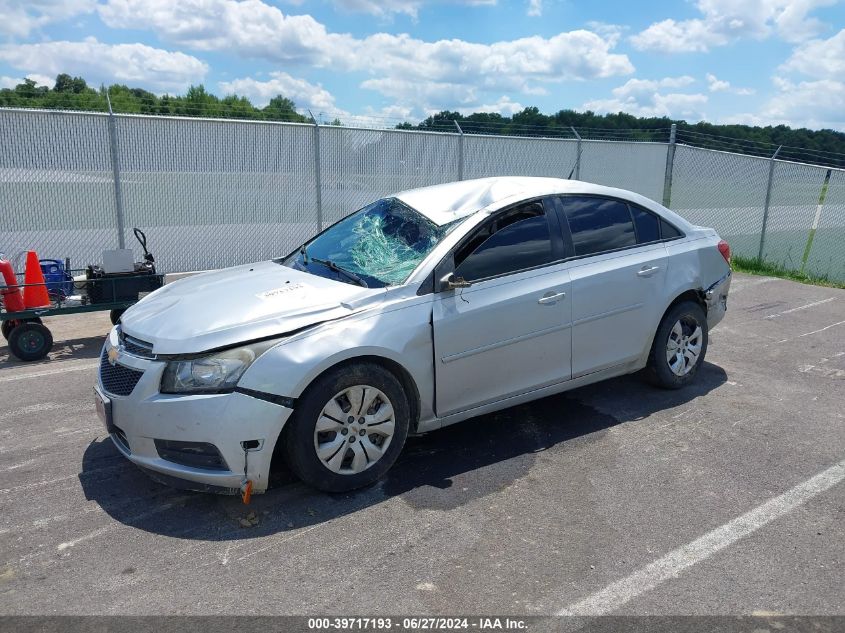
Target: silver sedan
{"type": "Point", "coordinates": [418, 311]}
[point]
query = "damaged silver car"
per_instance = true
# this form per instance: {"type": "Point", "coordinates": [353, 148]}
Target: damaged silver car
{"type": "Point", "coordinates": [420, 310]}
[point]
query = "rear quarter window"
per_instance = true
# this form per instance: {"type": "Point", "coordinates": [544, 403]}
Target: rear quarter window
{"type": "Point", "coordinates": [648, 225]}
{"type": "Point", "coordinates": [667, 231]}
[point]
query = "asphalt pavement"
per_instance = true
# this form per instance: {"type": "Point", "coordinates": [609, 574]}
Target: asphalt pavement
{"type": "Point", "coordinates": [727, 497]}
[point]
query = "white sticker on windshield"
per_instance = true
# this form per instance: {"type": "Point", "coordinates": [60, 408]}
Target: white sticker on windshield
{"type": "Point", "coordinates": [279, 292]}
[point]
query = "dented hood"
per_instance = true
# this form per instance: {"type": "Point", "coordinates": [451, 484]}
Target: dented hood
{"type": "Point", "coordinates": [234, 305]}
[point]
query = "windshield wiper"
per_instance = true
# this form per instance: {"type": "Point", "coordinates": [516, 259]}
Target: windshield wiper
{"type": "Point", "coordinates": [306, 258]}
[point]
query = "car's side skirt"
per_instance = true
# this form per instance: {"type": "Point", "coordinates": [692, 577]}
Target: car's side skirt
{"type": "Point", "coordinates": [535, 394]}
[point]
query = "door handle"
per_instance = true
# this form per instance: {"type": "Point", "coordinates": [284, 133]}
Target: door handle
{"type": "Point", "coordinates": [550, 298]}
{"type": "Point", "coordinates": [647, 271]}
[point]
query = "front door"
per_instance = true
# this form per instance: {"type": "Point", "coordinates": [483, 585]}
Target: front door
{"type": "Point", "coordinates": [509, 332]}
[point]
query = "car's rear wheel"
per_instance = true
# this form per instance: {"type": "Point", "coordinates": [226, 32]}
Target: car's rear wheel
{"type": "Point", "coordinates": [679, 346]}
{"type": "Point", "coordinates": [348, 428]}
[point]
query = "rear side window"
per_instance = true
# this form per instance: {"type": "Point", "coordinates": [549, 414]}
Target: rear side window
{"type": "Point", "coordinates": [648, 226]}
{"type": "Point", "coordinates": [668, 231]}
{"type": "Point", "coordinates": [598, 224]}
{"type": "Point", "coordinates": [513, 242]}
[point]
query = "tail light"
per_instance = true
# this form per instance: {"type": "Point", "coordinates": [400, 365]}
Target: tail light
{"type": "Point", "coordinates": [725, 250]}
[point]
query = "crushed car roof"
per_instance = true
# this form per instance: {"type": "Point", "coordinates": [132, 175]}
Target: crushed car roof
{"type": "Point", "coordinates": [450, 201]}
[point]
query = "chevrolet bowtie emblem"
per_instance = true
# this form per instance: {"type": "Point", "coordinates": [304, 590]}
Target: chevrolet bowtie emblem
{"type": "Point", "coordinates": [114, 354]}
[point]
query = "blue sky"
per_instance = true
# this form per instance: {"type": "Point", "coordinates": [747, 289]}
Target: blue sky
{"type": "Point", "coordinates": [726, 61]}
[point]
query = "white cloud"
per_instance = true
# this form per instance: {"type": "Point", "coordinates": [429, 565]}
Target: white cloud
{"type": "Point", "coordinates": [611, 32]}
{"type": "Point", "coordinates": [714, 84]}
{"type": "Point", "coordinates": [425, 94]}
{"type": "Point", "coordinates": [304, 93]}
{"type": "Point", "coordinates": [42, 80]}
{"type": "Point", "coordinates": [384, 8]}
{"type": "Point", "coordinates": [817, 102]}
{"type": "Point", "coordinates": [381, 7]}
{"type": "Point", "coordinates": [645, 97]}
{"type": "Point", "coordinates": [819, 58]}
{"type": "Point", "coordinates": [535, 8]}
{"type": "Point", "coordinates": [503, 106]}
{"type": "Point", "coordinates": [724, 21]}
{"type": "Point", "coordinates": [99, 62]}
{"type": "Point", "coordinates": [18, 18]}
{"type": "Point", "coordinates": [12, 82]}
{"type": "Point", "coordinates": [811, 104]}
{"type": "Point", "coordinates": [251, 28]}
{"type": "Point", "coordinates": [638, 87]}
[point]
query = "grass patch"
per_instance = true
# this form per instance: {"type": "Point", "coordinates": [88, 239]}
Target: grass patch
{"type": "Point", "coordinates": [755, 266]}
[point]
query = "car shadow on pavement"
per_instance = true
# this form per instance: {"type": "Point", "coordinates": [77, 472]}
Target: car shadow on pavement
{"type": "Point", "coordinates": [442, 470]}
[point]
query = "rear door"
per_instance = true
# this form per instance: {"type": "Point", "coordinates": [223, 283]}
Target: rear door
{"type": "Point", "coordinates": [617, 279]}
{"type": "Point", "coordinates": [509, 331]}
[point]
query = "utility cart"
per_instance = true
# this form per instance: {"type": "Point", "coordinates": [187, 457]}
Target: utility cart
{"type": "Point", "coordinates": [29, 339]}
{"type": "Point", "coordinates": [63, 292]}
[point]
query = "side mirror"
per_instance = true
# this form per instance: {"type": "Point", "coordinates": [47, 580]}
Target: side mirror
{"type": "Point", "coordinates": [450, 282]}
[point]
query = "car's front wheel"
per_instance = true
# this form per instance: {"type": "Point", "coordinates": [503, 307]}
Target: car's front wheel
{"type": "Point", "coordinates": [348, 428]}
{"type": "Point", "coordinates": [679, 346]}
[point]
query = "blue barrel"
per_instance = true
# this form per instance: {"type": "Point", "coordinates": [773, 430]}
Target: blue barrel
{"type": "Point", "coordinates": [59, 282]}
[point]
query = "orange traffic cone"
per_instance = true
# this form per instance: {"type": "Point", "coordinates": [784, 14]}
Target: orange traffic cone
{"type": "Point", "coordinates": [35, 290]}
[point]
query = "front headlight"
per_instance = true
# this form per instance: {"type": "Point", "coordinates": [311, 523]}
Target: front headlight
{"type": "Point", "coordinates": [216, 373]}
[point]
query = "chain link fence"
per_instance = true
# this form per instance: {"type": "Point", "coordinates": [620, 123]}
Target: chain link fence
{"type": "Point", "coordinates": [214, 193]}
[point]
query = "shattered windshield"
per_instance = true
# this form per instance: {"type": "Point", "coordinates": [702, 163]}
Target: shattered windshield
{"type": "Point", "coordinates": [380, 245]}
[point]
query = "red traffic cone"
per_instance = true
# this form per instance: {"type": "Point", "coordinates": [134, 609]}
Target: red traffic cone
{"type": "Point", "coordinates": [35, 289]}
{"type": "Point", "coordinates": [9, 291]}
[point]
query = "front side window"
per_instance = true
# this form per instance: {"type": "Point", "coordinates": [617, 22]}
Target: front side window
{"type": "Point", "coordinates": [380, 245]}
{"type": "Point", "coordinates": [516, 240]}
{"type": "Point", "coordinates": [598, 224]}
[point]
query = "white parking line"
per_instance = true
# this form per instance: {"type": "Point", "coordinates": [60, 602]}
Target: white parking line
{"type": "Point", "coordinates": [786, 340]}
{"type": "Point", "coordinates": [669, 566]}
{"type": "Point", "coordinates": [49, 372]}
{"type": "Point", "coordinates": [804, 307]}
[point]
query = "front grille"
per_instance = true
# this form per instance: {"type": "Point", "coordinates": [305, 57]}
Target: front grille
{"type": "Point", "coordinates": [134, 346]}
{"type": "Point", "coordinates": [117, 379]}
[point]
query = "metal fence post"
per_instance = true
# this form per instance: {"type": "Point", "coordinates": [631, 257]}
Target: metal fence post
{"type": "Point", "coordinates": [767, 203]}
{"type": "Point", "coordinates": [670, 164]}
{"type": "Point", "coordinates": [118, 192]}
{"type": "Point", "coordinates": [460, 151]}
{"type": "Point", "coordinates": [577, 153]}
{"type": "Point", "coordinates": [317, 179]}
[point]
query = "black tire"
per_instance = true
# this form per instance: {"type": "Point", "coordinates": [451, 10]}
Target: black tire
{"type": "Point", "coordinates": [30, 341]}
{"type": "Point", "coordinates": [115, 315]}
{"type": "Point", "coordinates": [690, 315]}
{"type": "Point", "coordinates": [299, 437]}
{"type": "Point", "coordinates": [8, 326]}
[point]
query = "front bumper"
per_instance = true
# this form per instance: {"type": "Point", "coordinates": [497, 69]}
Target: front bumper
{"type": "Point", "coordinates": [716, 297]}
{"type": "Point", "coordinates": [225, 421]}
